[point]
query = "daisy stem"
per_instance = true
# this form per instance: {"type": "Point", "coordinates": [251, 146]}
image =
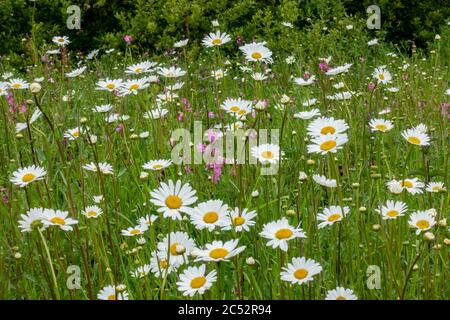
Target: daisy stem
{"type": "Point", "coordinates": [47, 251]}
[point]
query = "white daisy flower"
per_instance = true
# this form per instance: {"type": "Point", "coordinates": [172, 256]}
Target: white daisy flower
{"type": "Point", "coordinates": [266, 153]}
{"type": "Point", "coordinates": [148, 220]}
{"type": "Point", "coordinates": [280, 232]}
{"type": "Point", "coordinates": [382, 75]}
{"type": "Point", "coordinates": [32, 219]}
{"type": "Point", "coordinates": [237, 107]}
{"type": "Point", "coordinates": [59, 218]}
{"type": "Point", "coordinates": [141, 67]}
{"type": "Point", "coordinates": [306, 115]}
{"type": "Point", "coordinates": [416, 136]}
{"type": "Point", "coordinates": [331, 215]}
{"type": "Point", "coordinates": [218, 251]}
{"type": "Point", "coordinates": [76, 72]}
{"type": "Point", "coordinates": [104, 108]}
{"type": "Point", "coordinates": [413, 186]}
{"type": "Point", "coordinates": [61, 41]}
{"type": "Point", "coordinates": [240, 220]}
{"type": "Point", "coordinates": [73, 134]}
{"type": "Point", "coordinates": [178, 246]}
{"type": "Point", "coordinates": [324, 181]}
{"type": "Point", "coordinates": [324, 126]}
{"type": "Point", "coordinates": [103, 167]}
{"type": "Point", "coordinates": [327, 143]}
{"type": "Point", "coordinates": [17, 84]}
{"type": "Point", "coordinates": [92, 212]}
{"type": "Point", "coordinates": [392, 210]}
{"type": "Point", "coordinates": [156, 113]}
{"type": "Point", "coordinates": [380, 125]}
{"type": "Point", "coordinates": [214, 39]}
{"type": "Point", "coordinates": [24, 176]}
{"type": "Point", "coordinates": [172, 72]}
{"type": "Point", "coordinates": [109, 293]}
{"type": "Point", "coordinates": [218, 74]}
{"type": "Point", "coordinates": [135, 231]}
{"type": "Point", "coordinates": [193, 280]}
{"type": "Point", "coordinates": [159, 264]}
{"type": "Point", "coordinates": [302, 82]}
{"type": "Point", "coordinates": [341, 95]}
{"type": "Point", "coordinates": [109, 84]}
{"type": "Point", "coordinates": [338, 70]}
{"type": "Point", "coordinates": [133, 86]}
{"type": "Point", "coordinates": [181, 43]}
{"type": "Point", "coordinates": [422, 221]}
{"type": "Point", "coordinates": [300, 271]}
{"type": "Point", "coordinates": [435, 187]}
{"type": "Point", "coordinates": [141, 271]}
{"type": "Point", "coordinates": [255, 52]}
{"type": "Point", "coordinates": [340, 293]}
{"type": "Point", "coordinates": [210, 215]}
{"type": "Point", "coordinates": [157, 165]}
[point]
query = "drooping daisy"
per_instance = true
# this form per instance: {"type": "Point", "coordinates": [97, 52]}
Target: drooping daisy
{"type": "Point", "coordinates": [92, 212]}
{"type": "Point", "coordinates": [172, 72]}
{"type": "Point", "coordinates": [209, 215]}
{"type": "Point", "coordinates": [324, 125]}
{"type": "Point", "coordinates": [215, 39]}
{"type": "Point", "coordinates": [331, 215]}
{"type": "Point", "coordinates": [141, 67]}
{"type": "Point", "coordinates": [193, 280]}
{"type": "Point", "coordinates": [218, 251]}
{"type": "Point", "coordinates": [340, 293]}
{"type": "Point", "coordinates": [435, 187]}
{"type": "Point", "coordinates": [24, 176]}
{"type": "Point", "coordinates": [103, 167]}
{"type": "Point", "coordinates": [73, 134]}
{"type": "Point", "coordinates": [141, 271]}
{"type": "Point", "coordinates": [17, 84]}
{"type": "Point", "coordinates": [148, 219]}
{"type": "Point", "coordinates": [176, 248]}
{"type": "Point", "coordinates": [135, 231]}
{"type": "Point", "coordinates": [266, 153]}
{"type": "Point", "coordinates": [159, 264]}
{"type": "Point", "coordinates": [280, 232]}
{"type": "Point", "coordinates": [61, 41]}
{"type": "Point", "coordinates": [306, 115]}
{"type": "Point", "coordinates": [416, 136]}
{"type": "Point", "coordinates": [76, 72]}
{"type": "Point", "coordinates": [382, 75]}
{"type": "Point", "coordinates": [392, 210]}
{"type": "Point", "coordinates": [380, 125]}
{"type": "Point", "coordinates": [324, 181]}
{"type": "Point", "coordinates": [327, 143]}
{"type": "Point", "coordinates": [109, 84]}
{"type": "Point", "coordinates": [157, 165]}
{"type": "Point", "coordinates": [109, 293]}
{"type": "Point", "coordinates": [256, 52]}
{"type": "Point", "coordinates": [240, 220]}
{"type": "Point", "coordinates": [301, 270]}
{"type": "Point", "coordinates": [172, 199]}
{"type": "Point", "coordinates": [59, 218]}
{"type": "Point", "coordinates": [338, 70]}
{"type": "Point", "coordinates": [422, 221]}
{"type": "Point", "coordinates": [304, 82]}
{"type": "Point", "coordinates": [237, 107]}
{"type": "Point", "coordinates": [133, 86]}
{"type": "Point", "coordinates": [32, 219]}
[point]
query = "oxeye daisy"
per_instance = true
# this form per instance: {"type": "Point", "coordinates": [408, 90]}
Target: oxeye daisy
{"type": "Point", "coordinates": [141, 271]}
{"type": "Point", "coordinates": [392, 209]}
{"type": "Point", "coordinates": [116, 117]}
{"type": "Point", "coordinates": [323, 126]}
{"type": "Point", "coordinates": [422, 221]}
{"type": "Point", "coordinates": [27, 175]}
{"type": "Point", "coordinates": [218, 74]}
{"type": "Point", "coordinates": [181, 43]}
{"type": "Point", "coordinates": [258, 76]}
{"type": "Point", "coordinates": [76, 72]}
{"type": "Point", "coordinates": [435, 187]}
{"type": "Point", "coordinates": [32, 219]}
{"type": "Point", "coordinates": [148, 220]}
{"type": "Point", "coordinates": [135, 231]}
{"type": "Point", "coordinates": [59, 218]}
{"type": "Point", "coordinates": [215, 39]}
{"type": "Point", "coordinates": [382, 75]}
{"type": "Point", "coordinates": [61, 41]}
{"type": "Point", "coordinates": [141, 67]}
{"type": "Point", "coordinates": [309, 102]}
{"type": "Point", "coordinates": [304, 82]}
{"type": "Point", "coordinates": [324, 181]}
{"type": "Point", "coordinates": [92, 212]}
{"type": "Point", "coordinates": [157, 165]}
{"type": "Point", "coordinates": [306, 115]}
{"type": "Point", "coordinates": [218, 251]}
{"type": "Point", "coordinates": [176, 248]}
{"type": "Point", "coordinates": [73, 134]}
{"type": "Point", "coordinates": [266, 153]}
{"type": "Point", "coordinates": [103, 167]}
{"type": "Point", "coordinates": [209, 215]}
{"type": "Point", "coordinates": [255, 52]}
{"type": "Point", "coordinates": [331, 215]}
{"type": "Point", "coordinates": [133, 86]}
{"type": "Point", "coordinates": [172, 199]}
{"type": "Point", "coordinates": [4, 86]}
{"type": "Point", "coordinates": [413, 186]}
{"type": "Point", "coordinates": [338, 70]}
{"type": "Point", "coordinates": [240, 220]}
{"type": "Point", "coordinates": [111, 293]}
{"type": "Point", "coordinates": [301, 270]}
{"type": "Point", "coordinates": [172, 72]}
{"type": "Point", "coordinates": [17, 84]}
{"type": "Point", "coordinates": [104, 108]}
{"type": "Point", "coordinates": [156, 113]}
{"type": "Point", "coordinates": [194, 280]}
{"type": "Point", "coordinates": [340, 293]}
{"type": "Point", "coordinates": [237, 107]}
{"type": "Point", "coordinates": [280, 232]}
{"type": "Point", "coordinates": [380, 125]}
{"type": "Point", "coordinates": [341, 95]}
{"type": "Point", "coordinates": [327, 143]}
{"type": "Point", "coordinates": [159, 264]}
{"type": "Point", "coordinates": [416, 137]}
{"type": "Point", "coordinates": [109, 84]}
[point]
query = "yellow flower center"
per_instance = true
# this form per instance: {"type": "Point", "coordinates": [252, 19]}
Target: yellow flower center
{"type": "Point", "coordinates": [340, 298]}
{"type": "Point", "coordinates": [138, 70]}
{"type": "Point", "coordinates": [76, 134]}
{"type": "Point", "coordinates": [327, 130]}
{"type": "Point", "coordinates": [381, 76]}
{"type": "Point", "coordinates": [301, 274]}
{"type": "Point", "coordinates": [112, 297]}
{"type": "Point", "coordinates": [135, 231]}
{"type": "Point", "coordinates": [422, 224]}
{"type": "Point", "coordinates": [110, 86]}
{"type": "Point", "coordinates": [242, 112]}
{"type": "Point", "coordinates": [267, 154]}
{"type": "Point", "coordinates": [334, 217]}
{"type": "Point", "coordinates": [173, 249]}
{"type": "Point", "coordinates": [28, 177]}
{"type": "Point", "coordinates": [235, 108]}
{"type": "Point", "coordinates": [414, 140]}
{"type": "Point", "coordinates": [16, 86]}
{"type": "Point", "coordinates": [238, 221]}
{"type": "Point", "coordinates": [381, 127]}
{"type": "Point", "coordinates": [163, 264]}
{"type": "Point", "coordinates": [61, 40]}
{"type": "Point", "coordinates": [134, 86]}
{"type": "Point", "coordinates": [328, 145]}
{"type": "Point", "coordinates": [173, 202]}
{"type": "Point", "coordinates": [157, 166]}
{"type": "Point", "coordinates": [198, 282]}
{"type": "Point", "coordinates": [219, 253]}
{"type": "Point", "coordinates": [283, 234]}
{"type": "Point", "coordinates": [58, 220]}
{"type": "Point", "coordinates": [436, 188]}
{"type": "Point", "coordinates": [256, 55]}
{"type": "Point", "coordinates": [407, 184]}
{"type": "Point", "coordinates": [392, 213]}
{"type": "Point", "coordinates": [217, 41]}
{"type": "Point", "coordinates": [92, 214]}
{"type": "Point", "coordinates": [210, 217]}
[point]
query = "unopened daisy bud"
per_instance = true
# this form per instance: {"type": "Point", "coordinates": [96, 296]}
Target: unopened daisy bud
{"type": "Point", "coordinates": [355, 185]}
{"type": "Point", "coordinates": [143, 175]}
{"type": "Point", "coordinates": [15, 248]}
{"type": "Point", "coordinates": [108, 269]}
{"type": "Point", "coordinates": [255, 193]}
{"type": "Point", "coordinates": [121, 287]}
{"type": "Point", "coordinates": [92, 139]}
{"type": "Point", "coordinates": [123, 246]}
{"type": "Point", "coordinates": [19, 136]}
{"type": "Point", "coordinates": [375, 175]}
{"type": "Point", "coordinates": [83, 120]}
{"type": "Point", "coordinates": [350, 199]}
{"type": "Point", "coordinates": [442, 222]}
{"type": "Point", "coordinates": [29, 102]}
{"type": "Point", "coordinates": [437, 37]}
{"type": "Point", "coordinates": [285, 99]}
{"type": "Point", "coordinates": [362, 209]}
{"type": "Point", "coordinates": [290, 213]}
{"type": "Point", "coordinates": [180, 173]}
{"type": "Point", "coordinates": [141, 241]}
{"type": "Point", "coordinates": [432, 212]}
{"type": "Point", "coordinates": [98, 199]}
{"type": "Point", "coordinates": [17, 255]}
{"type": "Point", "coordinates": [415, 267]}
{"type": "Point", "coordinates": [429, 236]}
{"type": "Point", "coordinates": [294, 132]}
{"type": "Point", "coordinates": [376, 227]}
{"type": "Point", "coordinates": [250, 261]}
{"type": "Point", "coordinates": [185, 218]}
{"type": "Point", "coordinates": [310, 162]}
{"type": "Point", "coordinates": [134, 136]}
{"type": "Point", "coordinates": [260, 105]}
{"type": "Point", "coordinates": [447, 241]}
{"type": "Point", "coordinates": [35, 87]}
{"type": "Point", "coordinates": [302, 176]}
